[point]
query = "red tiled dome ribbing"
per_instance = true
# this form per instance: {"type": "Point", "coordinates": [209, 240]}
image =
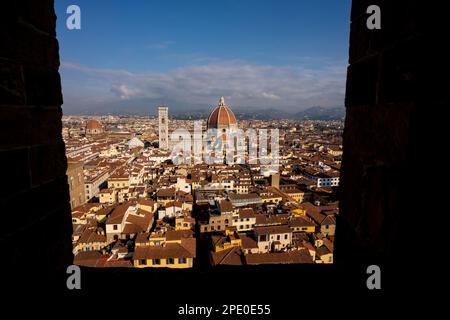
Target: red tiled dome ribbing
{"type": "Point", "coordinates": [93, 124]}
{"type": "Point", "coordinates": [221, 117]}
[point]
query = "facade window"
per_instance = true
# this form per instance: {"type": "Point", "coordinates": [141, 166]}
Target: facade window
{"type": "Point", "coordinates": [143, 262]}
{"type": "Point", "coordinates": [170, 260]}
{"type": "Point", "coordinates": [182, 260]}
{"type": "Point", "coordinates": [156, 261]}
{"type": "Point", "coordinates": [278, 237]}
{"type": "Point", "coordinates": [115, 227]}
{"type": "Point", "coordinates": [218, 227]}
{"type": "Point", "coordinates": [226, 220]}
{"type": "Point", "coordinates": [285, 236]}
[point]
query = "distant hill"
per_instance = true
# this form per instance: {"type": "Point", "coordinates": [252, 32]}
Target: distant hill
{"type": "Point", "coordinates": [321, 113]}
{"type": "Point", "coordinates": [261, 114]}
{"type": "Point", "coordinates": [201, 111]}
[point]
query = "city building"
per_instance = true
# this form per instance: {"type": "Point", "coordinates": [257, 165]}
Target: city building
{"type": "Point", "coordinates": [75, 178]}
{"type": "Point", "coordinates": [222, 117]}
{"type": "Point", "coordinates": [144, 210]}
{"type": "Point", "coordinates": [93, 127]}
{"type": "Point", "coordinates": [163, 125]}
{"type": "Point", "coordinates": [172, 249]}
{"type": "Point", "coordinates": [273, 238]}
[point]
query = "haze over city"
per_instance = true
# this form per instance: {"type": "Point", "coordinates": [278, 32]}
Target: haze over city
{"type": "Point", "coordinates": [258, 55]}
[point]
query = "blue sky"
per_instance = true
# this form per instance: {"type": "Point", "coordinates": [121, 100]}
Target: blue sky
{"type": "Point", "coordinates": [261, 54]}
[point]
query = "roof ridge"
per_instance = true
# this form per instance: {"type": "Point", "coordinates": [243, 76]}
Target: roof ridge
{"type": "Point", "coordinates": [227, 254]}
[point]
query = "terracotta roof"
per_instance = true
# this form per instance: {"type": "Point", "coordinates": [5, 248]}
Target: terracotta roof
{"type": "Point", "coordinates": [167, 192]}
{"type": "Point", "coordinates": [174, 204]}
{"type": "Point", "coordinates": [190, 244]}
{"type": "Point", "coordinates": [323, 250]}
{"type": "Point", "coordinates": [235, 196]}
{"type": "Point", "coordinates": [138, 223]}
{"type": "Point", "coordinates": [173, 235]}
{"type": "Point", "coordinates": [97, 260]}
{"type": "Point", "coordinates": [93, 124]}
{"type": "Point", "coordinates": [89, 259]}
{"type": "Point", "coordinates": [170, 250]}
{"type": "Point", "coordinates": [230, 256]}
{"type": "Point", "coordinates": [146, 202]}
{"type": "Point", "coordinates": [221, 117]}
{"type": "Point", "coordinates": [116, 263]}
{"type": "Point", "coordinates": [117, 214]}
{"type": "Point", "coordinates": [248, 243]}
{"type": "Point", "coordinates": [272, 229]}
{"type": "Point", "coordinates": [225, 206]}
{"type": "Point", "coordinates": [299, 237]}
{"type": "Point", "coordinates": [142, 237]}
{"type": "Point", "coordinates": [262, 219]}
{"type": "Point", "coordinates": [105, 211]}
{"type": "Point", "coordinates": [86, 207]}
{"type": "Point", "coordinates": [90, 236]}
{"type": "Point", "coordinates": [301, 222]}
{"type": "Point", "coordinates": [330, 219]}
{"type": "Point", "coordinates": [297, 256]}
{"type": "Point", "coordinates": [246, 213]}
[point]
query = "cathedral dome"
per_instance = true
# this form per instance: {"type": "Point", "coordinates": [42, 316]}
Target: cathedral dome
{"type": "Point", "coordinates": [93, 127]}
{"type": "Point", "coordinates": [222, 117]}
{"type": "Point", "coordinates": [93, 124]}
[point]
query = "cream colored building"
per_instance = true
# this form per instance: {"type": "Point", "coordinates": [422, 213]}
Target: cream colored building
{"type": "Point", "coordinates": [108, 196]}
{"type": "Point", "coordinates": [75, 179]}
{"type": "Point", "coordinates": [118, 182]}
{"type": "Point", "coordinates": [217, 223]}
{"type": "Point", "coordinates": [273, 238]}
{"type": "Point", "coordinates": [173, 249]}
{"type": "Point", "coordinates": [245, 221]}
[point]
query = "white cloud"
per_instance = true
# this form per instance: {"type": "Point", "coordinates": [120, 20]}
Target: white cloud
{"type": "Point", "coordinates": [124, 92]}
{"type": "Point", "coordinates": [270, 96]}
{"type": "Point", "coordinates": [243, 84]}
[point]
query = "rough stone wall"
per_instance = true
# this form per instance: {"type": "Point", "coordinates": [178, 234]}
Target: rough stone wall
{"type": "Point", "coordinates": [36, 228]}
{"type": "Point", "coordinates": [397, 85]}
